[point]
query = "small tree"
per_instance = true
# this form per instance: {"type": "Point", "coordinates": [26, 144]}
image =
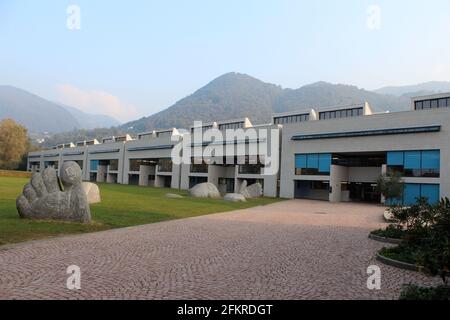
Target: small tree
{"type": "Point", "coordinates": [14, 144]}
{"type": "Point", "coordinates": [390, 185]}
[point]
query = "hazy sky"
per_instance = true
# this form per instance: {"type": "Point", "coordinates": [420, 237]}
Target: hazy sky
{"type": "Point", "coordinates": [133, 58]}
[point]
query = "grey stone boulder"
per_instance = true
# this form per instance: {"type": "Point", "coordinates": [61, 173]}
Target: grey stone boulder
{"type": "Point", "coordinates": [253, 191]}
{"type": "Point", "coordinates": [205, 190]}
{"type": "Point", "coordinates": [42, 198]}
{"type": "Point", "coordinates": [234, 197]}
{"type": "Point", "coordinates": [92, 192]}
{"type": "Point", "coordinates": [174, 196]}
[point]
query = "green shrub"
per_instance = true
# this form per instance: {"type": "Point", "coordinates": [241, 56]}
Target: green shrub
{"type": "Point", "coordinates": [416, 220]}
{"type": "Point", "coordinates": [434, 252]}
{"type": "Point", "coordinates": [412, 292]}
{"type": "Point", "coordinates": [400, 253]}
{"type": "Point", "coordinates": [393, 231]}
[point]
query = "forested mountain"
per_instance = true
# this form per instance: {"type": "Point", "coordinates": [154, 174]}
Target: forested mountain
{"type": "Point", "coordinates": [235, 95]}
{"type": "Point", "coordinates": [230, 96]}
{"type": "Point", "coordinates": [40, 115]}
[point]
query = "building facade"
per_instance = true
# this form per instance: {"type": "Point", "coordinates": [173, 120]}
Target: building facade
{"type": "Point", "coordinates": [338, 156]}
{"type": "Point", "coordinates": [334, 154]}
{"type": "Point", "coordinates": [252, 148]}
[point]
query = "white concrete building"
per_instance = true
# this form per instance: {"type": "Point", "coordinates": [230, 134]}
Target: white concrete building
{"type": "Point", "coordinates": [334, 154]}
{"type": "Point", "coordinates": [226, 171]}
{"type": "Point", "coordinates": [148, 160]}
{"type": "Point", "coordinates": [339, 154]}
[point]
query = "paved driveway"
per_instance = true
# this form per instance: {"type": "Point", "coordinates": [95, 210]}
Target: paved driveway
{"type": "Point", "coordinates": [294, 249]}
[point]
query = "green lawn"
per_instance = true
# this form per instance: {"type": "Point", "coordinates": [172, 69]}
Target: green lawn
{"type": "Point", "coordinates": [121, 206]}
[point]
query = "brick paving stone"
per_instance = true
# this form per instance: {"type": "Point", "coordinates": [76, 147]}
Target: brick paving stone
{"type": "Point", "coordinates": [296, 249]}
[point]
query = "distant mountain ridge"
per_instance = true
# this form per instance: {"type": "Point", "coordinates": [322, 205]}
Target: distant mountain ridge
{"type": "Point", "coordinates": [235, 95]}
{"type": "Point", "coordinates": [416, 90]}
{"type": "Point", "coordinates": [40, 115]}
{"type": "Point", "coordinates": [91, 121]}
{"type": "Point", "coordinates": [230, 96]}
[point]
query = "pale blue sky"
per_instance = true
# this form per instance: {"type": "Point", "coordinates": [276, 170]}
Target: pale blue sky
{"type": "Point", "coordinates": [133, 58]}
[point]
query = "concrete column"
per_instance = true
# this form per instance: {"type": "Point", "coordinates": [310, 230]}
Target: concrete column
{"type": "Point", "coordinates": [213, 175]}
{"type": "Point", "coordinates": [176, 179]}
{"type": "Point", "coordinates": [101, 170]}
{"type": "Point", "coordinates": [110, 178]}
{"type": "Point", "coordinates": [337, 175]}
{"type": "Point", "coordinates": [184, 176]}
{"type": "Point", "coordinates": [383, 172]}
{"type": "Point", "coordinates": [144, 172]}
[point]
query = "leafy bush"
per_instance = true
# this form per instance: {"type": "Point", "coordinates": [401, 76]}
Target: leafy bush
{"type": "Point", "coordinates": [412, 292]}
{"type": "Point", "coordinates": [435, 250]}
{"type": "Point", "coordinates": [416, 220]}
{"type": "Point", "coordinates": [426, 239]}
{"type": "Point", "coordinates": [400, 253]}
{"type": "Point", "coordinates": [393, 231]}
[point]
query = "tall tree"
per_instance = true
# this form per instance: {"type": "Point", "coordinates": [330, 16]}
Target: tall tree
{"type": "Point", "coordinates": [14, 144]}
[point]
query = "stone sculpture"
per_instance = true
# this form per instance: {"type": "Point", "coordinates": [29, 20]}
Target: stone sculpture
{"type": "Point", "coordinates": [92, 192]}
{"type": "Point", "coordinates": [234, 197]}
{"type": "Point", "coordinates": [253, 191]}
{"type": "Point", "coordinates": [43, 198]}
{"type": "Point", "coordinates": [205, 190]}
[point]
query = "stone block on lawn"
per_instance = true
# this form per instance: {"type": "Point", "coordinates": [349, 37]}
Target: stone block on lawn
{"type": "Point", "coordinates": [234, 197]}
{"type": "Point", "coordinates": [92, 192]}
{"type": "Point", "coordinates": [205, 190]}
{"type": "Point", "coordinates": [253, 191]}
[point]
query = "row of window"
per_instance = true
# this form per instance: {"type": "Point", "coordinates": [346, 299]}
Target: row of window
{"type": "Point", "coordinates": [199, 168]}
{"type": "Point", "coordinates": [135, 164]}
{"type": "Point", "coordinates": [291, 119]}
{"type": "Point", "coordinates": [313, 164]}
{"type": "Point", "coordinates": [165, 165]}
{"type": "Point", "coordinates": [113, 164]}
{"type": "Point", "coordinates": [250, 168]}
{"type": "Point", "coordinates": [236, 125]}
{"type": "Point", "coordinates": [204, 128]}
{"type": "Point", "coordinates": [345, 113]}
{"type": "Point", "coordinates": [414, 163]}
{"type": "Point", "coordinates": [414, 191]}
{"type": "Point", "coordinates": [432, 104]}
{"type": "Point", "coordinates": [53, 164]}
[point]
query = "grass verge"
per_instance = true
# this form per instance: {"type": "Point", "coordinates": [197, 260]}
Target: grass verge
{"type": "Point", "coordinates": [121, 206]}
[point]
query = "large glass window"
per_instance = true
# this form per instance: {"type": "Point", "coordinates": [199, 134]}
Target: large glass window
{"type": "Point", "coordinates": [418, 105]}
{"type": "Point", "coordinates": [165, 165]}
{"type": "Point", "coordinates": [291, 119]}
{"type": "Point", "coordinates": [346, 113]}
{"type": "Point", "coordinates": [114, 165]}
{"type": "Point", "coordinates": [432, 104]}
{"type": "Point", "coordinates": [312, 164]}
{"type": "Point", "coordinates": [135, 165]}
{"type": "Point", "coordinates": [413, 191]}
{"type": "Point", "coordinates": [94, 165]}
{"type": "Point", "coordinates": [414, 163]}
{"type": "Point", "coordinates": [198, 167]}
